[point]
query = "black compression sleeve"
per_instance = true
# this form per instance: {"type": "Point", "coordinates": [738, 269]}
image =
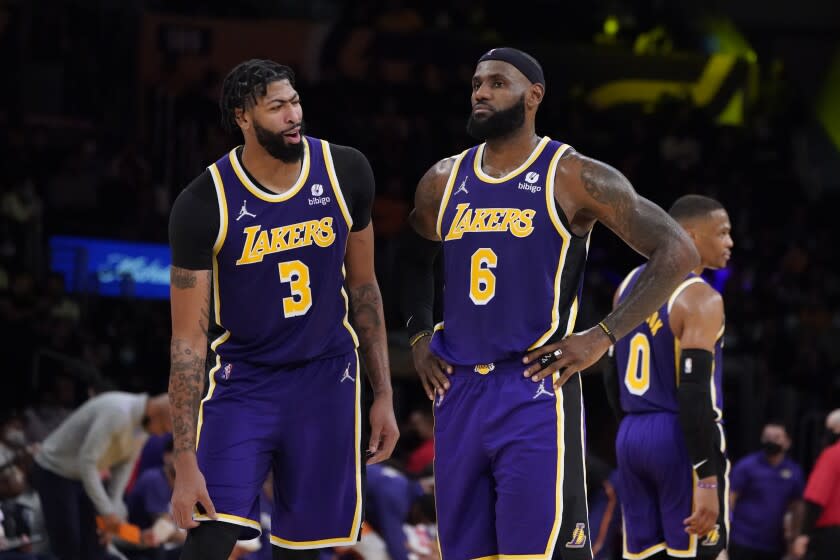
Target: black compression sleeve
{"type": "Point", "coordinates": [696, 415]}
{"type": "Point", "coordinates": [355, 177]}
{"type": "Point", "coordinates": [194, 225]}
{"type": "Point", "coordinates": [809, 519]}
{"type": "Point", "coordinates": [611, 386]}
{"type": "Point", "coordinates": [417, 282]}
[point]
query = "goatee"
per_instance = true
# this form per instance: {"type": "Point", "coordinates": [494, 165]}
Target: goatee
{"type": "Point", "coordinates": [275, 144]}
{"type": "Point", "coordinates": [498, 124]}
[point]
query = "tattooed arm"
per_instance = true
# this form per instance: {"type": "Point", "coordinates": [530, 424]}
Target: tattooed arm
{"type": "Point", "coordinates": [589, 191]}
{"type": "Point", "coordinates": [190, 301]}
{"type": "Point", "coordinates": [368, 319]}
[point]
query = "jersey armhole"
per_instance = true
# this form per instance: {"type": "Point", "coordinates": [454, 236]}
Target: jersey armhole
{"type": "Point", "coordinates": [339, 195]}
{"type": "Point", "coordinates": [447, 192]}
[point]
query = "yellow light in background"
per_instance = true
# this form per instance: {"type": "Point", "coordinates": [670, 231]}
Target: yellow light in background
{"type": "Point", "coordinates": [611, 26]}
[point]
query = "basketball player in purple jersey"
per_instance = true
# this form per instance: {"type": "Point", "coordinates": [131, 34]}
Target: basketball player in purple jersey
{"type": "Point", "coordinates": [515, 215]}
{"type": "Point", "coordinates": [259, 244]}
{"type": "Point", "coordinates": [673, 473]}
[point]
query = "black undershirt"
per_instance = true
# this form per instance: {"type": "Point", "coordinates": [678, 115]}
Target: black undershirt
{"type": "Point", "coordinates": [194, 220]}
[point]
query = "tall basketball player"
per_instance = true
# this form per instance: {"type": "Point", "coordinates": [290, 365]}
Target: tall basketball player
{"type": "Point", "coordinates": [259, 244]}
{"type": "Point", "coordinates": [515, 215]}
{"type": "Point", "coordinates": [670, 446]}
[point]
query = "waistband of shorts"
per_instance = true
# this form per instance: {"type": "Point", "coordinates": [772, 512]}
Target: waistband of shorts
{"type": "Point", "coordinates": [500, 367]}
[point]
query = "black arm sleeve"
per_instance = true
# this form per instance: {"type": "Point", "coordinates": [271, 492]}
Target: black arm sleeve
{"type": "Point", "coordinates": [417, 281]}
{"type": "Point", "coordinates": [809, 519]}
{"type": "Point", "coordinates": [696, 415]}
{"type": "Point", "coordinates": [355, 177]}
{"type": "Point", "coordinates": [611, 384]}
{"type": "Point", "coordinates": [194, 224]}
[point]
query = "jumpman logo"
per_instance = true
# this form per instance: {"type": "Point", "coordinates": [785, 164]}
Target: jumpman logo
{"type": "Point", "coordinates": [541, 390]}
{"type": "Point", "coordinates": [463, 187]}
{"type": "Point", "coordinates": [244, 212]}
{"type": "Point", "coordinates": [347, 375]}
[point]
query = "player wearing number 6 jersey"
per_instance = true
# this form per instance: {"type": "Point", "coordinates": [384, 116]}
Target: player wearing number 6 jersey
{"type": "Point", "coordinates": [672, 470]}
{"type": "Point", "coordinates": [259, 246]}
{"type": "Point", "coordinates": [515, 215]}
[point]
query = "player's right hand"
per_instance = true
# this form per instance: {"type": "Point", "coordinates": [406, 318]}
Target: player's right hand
{"type": "Point", "coordinates": [190, 489]}
{"type": "Point", "coordinates": [706, 510]}
{"type": "Point", "coordinates": [432, 370]}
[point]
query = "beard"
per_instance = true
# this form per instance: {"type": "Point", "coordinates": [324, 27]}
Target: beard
{"type": "Point", "coordinates": [499, 123]}
{"type": "Point", "coordinates": [275, 144]}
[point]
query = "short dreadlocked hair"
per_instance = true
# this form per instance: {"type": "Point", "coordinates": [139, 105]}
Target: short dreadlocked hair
{"type": "Point", "coordinates": [248, 81]}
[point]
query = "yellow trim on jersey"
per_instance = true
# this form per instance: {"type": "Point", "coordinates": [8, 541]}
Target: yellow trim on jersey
{"type": "Point", "coordinates": [212, 385]}
{"type": "Point", "coordinates": [220, 237]}
{"type": "Point", "coordinates": [691, 551]}
{"type": "Point", "coordinates": [482, 176]}
{"type": "Point", "coordinates": [561, 461]}
{"type": "Point", "coordinates": [447, 192]}
{"type": "Point", "coordinates": [275, 197]}
{"type": "Point", "coordinates": [679, 289]}
{"type": "Point", "coordinates": [217, 306]}
{"type": "Point", "coordinates": [564, 250]}
{"type": "Point", "coordinates": [328, 161]}
{"type": "Point", "coordinates": [646, 553]}
{"type": "Point", "coordinates": [233, 519]}
{"type": "Point", "coordinates": [439, 327]}
{"type": "Point", "coordinates": [626, 281]}
{"type": "Point", "coordinates": [353, 537]}
{"type": "Point", "coordinates": [346, 320]}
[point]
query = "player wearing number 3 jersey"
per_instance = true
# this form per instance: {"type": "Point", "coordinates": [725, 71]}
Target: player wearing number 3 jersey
{"type": "Point", "coordinates": [259, 243]}
{"type": "Point", "coordinates": [515, 215]}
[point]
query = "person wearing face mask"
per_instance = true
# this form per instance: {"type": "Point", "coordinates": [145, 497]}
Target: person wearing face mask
{"type": "Point", "coordinates": [820, 537]}
{"type": "Point", "coordinates": [765, 486]}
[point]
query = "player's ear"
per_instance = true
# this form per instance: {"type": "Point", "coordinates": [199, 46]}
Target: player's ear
{"type": "Point", "coordinates": [535, 95]}
{"type": "Point", "coordinates": [242, 118]}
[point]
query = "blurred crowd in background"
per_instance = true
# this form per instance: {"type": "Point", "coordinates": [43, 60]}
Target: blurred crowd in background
{"type": "Point", "coordinates": [92, 148]}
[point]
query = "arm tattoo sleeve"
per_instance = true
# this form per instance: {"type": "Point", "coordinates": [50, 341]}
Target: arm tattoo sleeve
{"type": "Point", "coordinates": [187, 370]}
{"type": "Point", "coordinates": [368, 320]}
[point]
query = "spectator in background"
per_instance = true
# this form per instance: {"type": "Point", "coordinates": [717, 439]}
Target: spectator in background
{"type": "Point", "coordinates": [105, 433]}
{"type": "Point", "coordinates": [148, 508]}
{"type": "Point", "coordinates": [422, 423]}
{"type": "Point", "coordinates": [390, 496]}
{"type": "Point", "coordinates": [821, 527]}
{"type": "Point", "coordinates": [764, 487]}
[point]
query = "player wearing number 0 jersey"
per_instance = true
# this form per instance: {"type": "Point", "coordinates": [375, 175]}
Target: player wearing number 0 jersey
{"type": "Point", "coordinates": [673, 472]}
{"type": "Point", "coordinates": [260, 242]}
{"type": "Point", "coordinates": [514, 215]}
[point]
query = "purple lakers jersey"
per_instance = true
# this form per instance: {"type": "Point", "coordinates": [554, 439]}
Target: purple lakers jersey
{"type": "Point", "coordinates": [512, 269]}
{"type": "Point", "coordinates": [648, 359]}
{"type": "Point", "coordinates": [278, 264]}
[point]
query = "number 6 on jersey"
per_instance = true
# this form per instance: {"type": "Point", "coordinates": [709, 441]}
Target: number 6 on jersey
{"type": "Point", "coordinates": [297, 275]}
{"type": "Point", "coordinates": [482, 280]}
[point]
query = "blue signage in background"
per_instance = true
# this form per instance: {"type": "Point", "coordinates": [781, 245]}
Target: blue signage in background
{"type": "Point", "coordinates": [109, 267]}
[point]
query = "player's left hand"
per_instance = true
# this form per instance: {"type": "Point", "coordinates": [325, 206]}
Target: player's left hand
{"type": "Point", "coordinates": [383, 430]}
{"type": "Point", "coordinates": [574, 353]}
{"type": "Point", "coordinates": [706, 509]}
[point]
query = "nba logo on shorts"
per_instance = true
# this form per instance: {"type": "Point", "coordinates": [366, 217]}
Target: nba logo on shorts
{"type": "Point", "coordinates": [578, 536]}
{"type": "Point", "coordinates": [227, 371]}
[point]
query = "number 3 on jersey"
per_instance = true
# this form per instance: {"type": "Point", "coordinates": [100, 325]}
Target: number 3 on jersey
{"type": "Point", "coordinates": [297, 275]}
{"type": "Point", "coordinates": [482, 280]}
{"type": "Point", "coordinates": [637, 376]}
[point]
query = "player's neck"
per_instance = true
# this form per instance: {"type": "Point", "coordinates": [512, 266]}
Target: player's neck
{"type": "Point", "coordinates": [774, 460]}
{"type": "Point", "coordinates": [271, 173]}
{"type": "Point", "coordinates": [503, 155]}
